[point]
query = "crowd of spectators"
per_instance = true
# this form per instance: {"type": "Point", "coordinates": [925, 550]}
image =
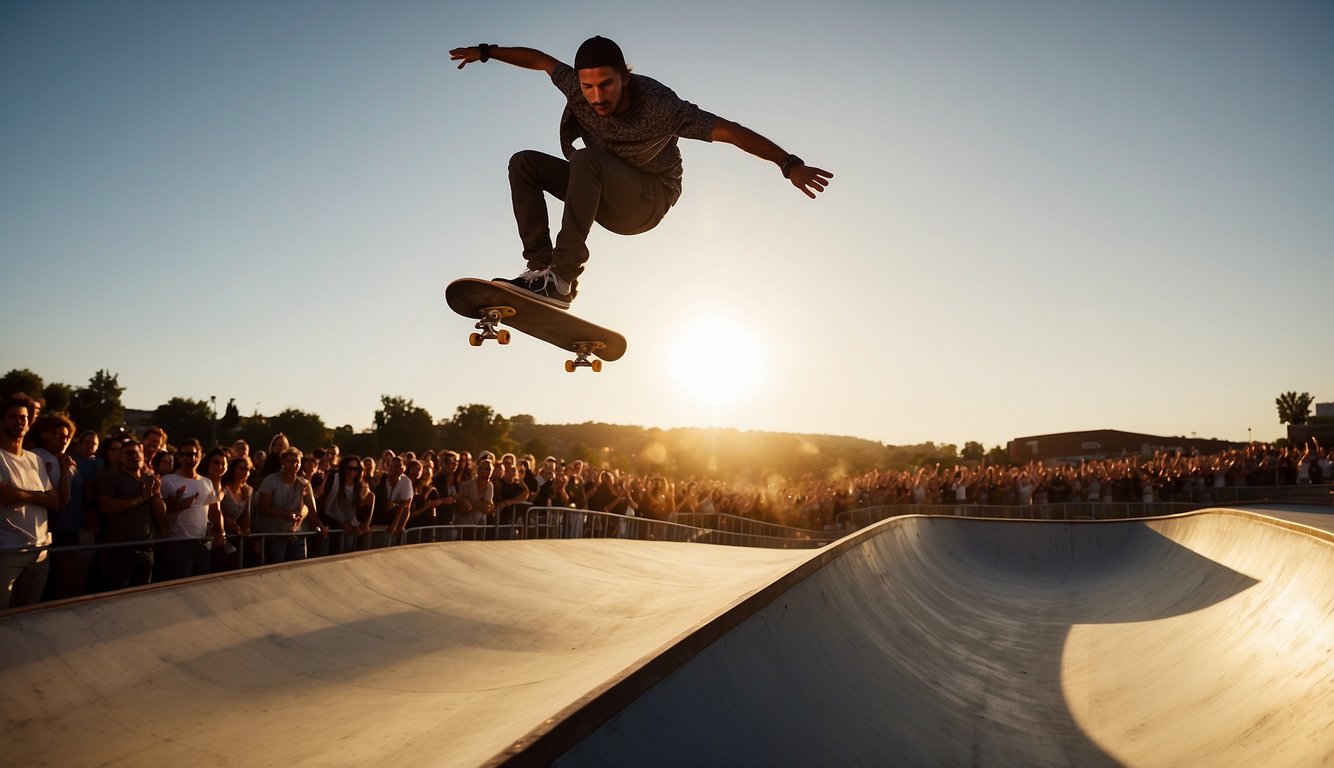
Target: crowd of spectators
{"type": "Point", "coordinates": [1160, 477]}
{"type": "Point", "coordinates": [179, 510]}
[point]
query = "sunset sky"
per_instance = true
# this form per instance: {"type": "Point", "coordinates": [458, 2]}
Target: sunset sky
{"type": "Point", "coordinates": [1045, 216]}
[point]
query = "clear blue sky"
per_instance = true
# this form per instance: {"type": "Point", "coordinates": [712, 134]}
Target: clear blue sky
{"type": "Point", "coordinates": [1046, 216]}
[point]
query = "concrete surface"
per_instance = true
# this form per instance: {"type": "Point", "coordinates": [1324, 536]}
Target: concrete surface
{"type": "Point", "coordinates": [1202, 639]}
{"type": "Point", "coordinates": [415, 656]}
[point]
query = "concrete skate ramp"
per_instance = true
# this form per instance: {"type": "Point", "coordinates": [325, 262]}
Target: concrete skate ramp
{"type": "Point", "coordinates": [438, 654]}
{"type": "Point", "coordinates": [1203, 639]}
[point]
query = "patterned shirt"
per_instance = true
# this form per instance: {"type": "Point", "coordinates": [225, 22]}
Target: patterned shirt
{"type": "Point", "coordinates": [644, 136]}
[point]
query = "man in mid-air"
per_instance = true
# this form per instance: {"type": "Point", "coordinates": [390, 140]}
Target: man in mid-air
{"type": "Point", "coordinates": [628, 173]}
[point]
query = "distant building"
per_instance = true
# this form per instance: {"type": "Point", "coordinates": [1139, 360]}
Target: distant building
{"type": "Point", "coordinates": [137, 420]}
{"type": "Point", "coordinates": [1105, 444]}
{"type": "Point", "coordinates": [1320, 428]}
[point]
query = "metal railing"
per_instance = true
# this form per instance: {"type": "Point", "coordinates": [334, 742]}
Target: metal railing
{"type": "Point", "coordinates": [76, 563]}
{"type": "Point", "coordinates": [854, 519]}
{"type": "Point", "coordinates": [707, 528]}
{"type": "Point", "coordinates": [1201, 498]}
{"type": "Point", "coordinates": [567, 523]}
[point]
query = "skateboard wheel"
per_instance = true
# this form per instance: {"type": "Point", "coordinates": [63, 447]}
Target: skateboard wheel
{"type": "Point", "coordinates": [596, 365]}
{"type": "Point", "coordinates": [569, 366]}
{"type": "Point", "coordinates": [503, 336]}
{"type": "Point", "coordinates": [475, 339]}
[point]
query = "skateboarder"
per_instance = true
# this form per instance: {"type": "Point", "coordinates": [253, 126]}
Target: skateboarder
{"type": "Point", "coordinates": [628, 173]}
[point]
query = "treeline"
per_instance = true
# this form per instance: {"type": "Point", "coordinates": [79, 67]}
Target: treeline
{"type": "Point", "coordinates": [400, 424]}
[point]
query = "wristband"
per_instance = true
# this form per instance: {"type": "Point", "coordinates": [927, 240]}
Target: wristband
{"type": "Point", "coordinates": [790, 162]}
{"type": "Point", "coordinates": [484, 52]}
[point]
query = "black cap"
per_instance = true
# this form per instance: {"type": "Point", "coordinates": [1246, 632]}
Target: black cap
{"type": "Point", "coordinates": [599, 52]}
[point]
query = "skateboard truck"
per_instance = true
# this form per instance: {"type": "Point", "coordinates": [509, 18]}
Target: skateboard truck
{"type": "Point", "coordinates": [582, 349]}
{"type": "Point", "coordinates": [492, 317]}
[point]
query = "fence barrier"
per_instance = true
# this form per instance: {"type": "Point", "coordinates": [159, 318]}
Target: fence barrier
{"type": "Point", "coordinates": [185, 557]}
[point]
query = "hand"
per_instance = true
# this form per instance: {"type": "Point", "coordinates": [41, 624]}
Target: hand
{"type": "Point", "coordinates": [66, 462]}
{"type": "Point", "coordinates": [809, 179]}
{"type": "Point", "coordinates": [465, 56]}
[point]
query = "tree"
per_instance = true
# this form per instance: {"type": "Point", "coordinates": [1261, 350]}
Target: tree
{"type": "Point", "coordinates": [231, 419]}
{"type": "Point", "coordinates": [538, 447]}
{"type": "Point", "coordinates": [999, 456]}
{"type": "Point", "coordinates": [353, 443]}
{"type": "Point", "coordinates": [57, 396]}
{"type": "Point", "coordinates": [972, 451]}
{"type": "Point", "coordinates": [477, 428]}
{"type": "Point", "coordinates": [402, 426]}
{"type": "Point", "coordinates": [304, 430]}
{"type": "Point", "coordinates": [97, 406]}
{"type": "Point", "coordinates": [21, 380]}
{"type": "Point", "coordinates": [255, 430]}
{"type": "Point", "coordinates": [184, 418]}
{"type": "Point", "coordinates": [1294, 408]}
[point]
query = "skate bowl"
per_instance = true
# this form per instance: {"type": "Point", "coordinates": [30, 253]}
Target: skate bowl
{"type": "Point", "coordinates": [1197, 639]}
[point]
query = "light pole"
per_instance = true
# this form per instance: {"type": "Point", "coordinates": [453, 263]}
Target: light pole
{"type": "Point", "coordinates": [213, 403]}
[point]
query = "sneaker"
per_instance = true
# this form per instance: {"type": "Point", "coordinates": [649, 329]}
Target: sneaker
{"type": "Point", "coordinates": [548, 287]}
{"type": "Point", "coordinates": [525, 277]}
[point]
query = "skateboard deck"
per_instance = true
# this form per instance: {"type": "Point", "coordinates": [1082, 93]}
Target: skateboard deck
{"type": "Point", "coordinates": [493, 304]}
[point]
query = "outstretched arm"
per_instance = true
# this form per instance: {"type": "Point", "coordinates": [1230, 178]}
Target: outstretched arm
{"type": "Point", "coordinates": [527, 58]}
{"type": "Point", "coordinates": [808, 179]}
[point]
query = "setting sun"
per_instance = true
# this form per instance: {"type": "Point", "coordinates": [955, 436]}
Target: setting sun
{"type": "Point", "coordinates": [717, 358]}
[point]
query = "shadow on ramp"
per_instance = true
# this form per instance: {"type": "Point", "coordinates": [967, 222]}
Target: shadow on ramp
{"type": "Point", "coordinates": [946, 641]}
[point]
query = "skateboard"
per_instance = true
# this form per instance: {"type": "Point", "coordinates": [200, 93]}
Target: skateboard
{"type": "Point", "coordinates": [493, 304]}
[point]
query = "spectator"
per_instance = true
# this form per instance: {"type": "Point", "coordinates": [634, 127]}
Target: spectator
{"type": "Point", "coordinates": [130, 498]}
{"type": "Point", "coordinates": [155, 443]}
{"type": "Point", "coordinates": [70, 570]}
{"type": "Point", "coordinates": [192, 512]}
{"type": "Point", "coordinates": [658, 501]}
{"type": "Point", "coordinates": [607, 496]}
{"type": "Point", "coordinates": [393, 498]}
{"type": "Point", "coordinates": [425, 500]}
{"type": "Point", "coordinates": [447, 490]}
{"type": "Point", "coordinates": [163, 463]}
{"type": "Point", "coordinates": [26, 495]}
{"type": "Point", "coordinates": [349, 506]}
{"type": "Point", "coordinates": [476, 499]}
{"type": "Point", "coordinates": [466, 468]}
{"type": "Point", "coordinates": [511, 498]}
{"type": "Point", "coordinates": [272, 461]}
{"type": "Point", "coordinates": [284, 502]}
{"type": "Point", "coordinates": [541, 483]}
{"type": "Point", "coordinates": [236, 502]}
{"type": "Point", "coordinates": [310, 469]}
{"type": "Point", "coordinates": [65, 522]}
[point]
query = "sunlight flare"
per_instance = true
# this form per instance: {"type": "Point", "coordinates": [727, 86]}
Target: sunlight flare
{"type": "Point", "coordinates": [717, 358]}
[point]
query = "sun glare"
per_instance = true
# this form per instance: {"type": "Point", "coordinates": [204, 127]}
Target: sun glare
{"type": "Point", "coordinates": [716, 358]}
